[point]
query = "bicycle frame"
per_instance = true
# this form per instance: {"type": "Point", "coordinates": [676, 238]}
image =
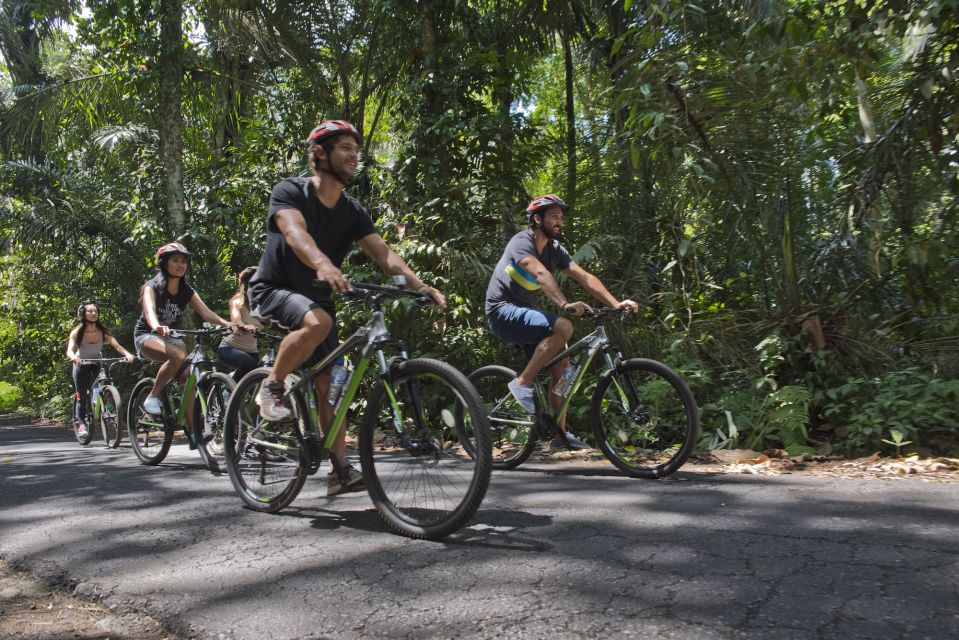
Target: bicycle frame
{"type": "Point", "coordinates": [193, 361]}
{"type": "Point", "coordinates": [371, 337]}
{"type": "Point", "coordinates": [592, 344]}
{"type": "Point", "coordinates": [103, 379]}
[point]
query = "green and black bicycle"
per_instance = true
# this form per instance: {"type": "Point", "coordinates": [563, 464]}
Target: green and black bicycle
{"type": "Point", "coordinates": [152, 435]}
{"type": "Point", "coordinates": [643, 415]}
{"type": "Point", "coordinates": [417, 423]}
{"type": "Point", "coordinates": [104, 406]}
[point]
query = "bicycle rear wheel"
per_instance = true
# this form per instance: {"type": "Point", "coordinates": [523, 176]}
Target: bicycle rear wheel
{"type": "Point", "coordinates": [149, 436]}
{"type": "Point", "coordinates": [216, 389]}
{"type": "Point", "coordinates": [110, 421]}
{"type": "Point", "coordinates": [264, 459]}
{"type": "Point", "coordinates": [513, 433]}
{"type": "Point", "coordinates": [644, 418]}
{"type": "Point", "coordinates": [424, 482]}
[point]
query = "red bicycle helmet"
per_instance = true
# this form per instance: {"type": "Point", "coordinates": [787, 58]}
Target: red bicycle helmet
{"type": "Point", "coordinates": [536, 205]}
{"type": "Point", "coordinates": [330, 128]}
{"type": "Point", "coordinates": [170, 248]}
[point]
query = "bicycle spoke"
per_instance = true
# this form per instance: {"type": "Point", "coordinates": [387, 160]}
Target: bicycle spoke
{"type": "Point", "coordinates": [645, 419]}
{"type": "Point", "coordinates": [426, 479]}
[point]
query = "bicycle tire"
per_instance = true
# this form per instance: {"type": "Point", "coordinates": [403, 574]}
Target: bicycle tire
{"type": "Point", "coordinates": [216, 388]}
{"type": "Point", "coordinates": [149, 436]}
{"type": "Point", "coordinates": [111, 420]}
{"type": "Point", "coordinates": [431, 492]}
{"type": "Point", "coordinates": [266, 465]}
{"type": "Point", "coordinates": [513, 443]}
{"type": "Point", "coordinates": [653, 438]}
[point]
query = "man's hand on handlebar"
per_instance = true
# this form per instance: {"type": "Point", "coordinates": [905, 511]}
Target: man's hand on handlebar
{"type": "Point", "coordinates": [333, 278]}
{"type": "Point", "coordinates": [434, 293]}
{"type": "Point", "coordinates": [628, 304]}
{"type": "Point", "coordinates": [163, 330]}
{"type": "Point", "coordinates": [577, 308]}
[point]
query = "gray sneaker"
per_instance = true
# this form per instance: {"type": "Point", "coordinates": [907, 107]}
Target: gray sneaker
{"type": "Point", "coordinates": [572, 442]}
{"type": "Point", "coordinates": [523, 395]}
{"type": "Point", "coordinates": [272, 407]}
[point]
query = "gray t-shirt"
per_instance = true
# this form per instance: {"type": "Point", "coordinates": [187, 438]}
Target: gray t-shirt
{"type": "Point", "coordinates": [511, 283]}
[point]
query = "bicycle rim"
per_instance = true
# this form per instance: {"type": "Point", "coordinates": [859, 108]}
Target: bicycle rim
{"type": "Point", "coordinates": [216, 389]}
{"type": "Point", "coordinates": [149, 437]}
{"type": "Point", "coordinates": [645, 419]}
{"type": "Point", "coordinates": [426, 485]}
{"type": "Point", "coordinates": [263, 458]}
{"type": "Point", "coordinates": [110, 417]}
{"type": "Point", "coordinates": [513, 435]}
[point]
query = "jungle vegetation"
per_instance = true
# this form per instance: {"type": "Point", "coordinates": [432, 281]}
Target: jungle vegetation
{"type": "Point", "coordinates": [775, 181]}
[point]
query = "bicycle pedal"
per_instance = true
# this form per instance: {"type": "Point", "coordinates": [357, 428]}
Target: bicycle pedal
{"type": "Point", "coordinates": [314, 455]}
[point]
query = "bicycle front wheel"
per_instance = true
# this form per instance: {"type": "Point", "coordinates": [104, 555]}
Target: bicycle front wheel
{"type": "Point", "coordinates": [149, 437]}
{"type": "Point", "coordinates": [514, 437]}
{"type": "Point", "coordinates": [110, 421]}
{"type": "Point", "coordinates": [216, 389]}
{"type": "Point", "coordinates": [422, 479]}
{"type": "Point", "coordinates": [264, 459]}
{"type": "Point", "coordinates": [644, 418]}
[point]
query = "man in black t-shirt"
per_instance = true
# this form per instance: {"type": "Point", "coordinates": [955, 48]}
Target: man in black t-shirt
{"type": "Point", "coordinates": [311, 225]}
{"type": "Point", "coordinates": [526, 267]}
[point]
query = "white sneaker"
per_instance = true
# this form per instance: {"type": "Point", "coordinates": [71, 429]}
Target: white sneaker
{"type": "Point", "coordinates": [272, 407]}
{"type": "Point", "coordinates": [153, 405]}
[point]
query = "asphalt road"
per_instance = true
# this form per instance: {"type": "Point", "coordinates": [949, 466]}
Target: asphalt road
{"type": "Point", "coordinates": [556, 553]}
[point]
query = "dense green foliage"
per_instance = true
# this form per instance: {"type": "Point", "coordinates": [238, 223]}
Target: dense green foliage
{"type": "Point", "coordinates": [774, 181]}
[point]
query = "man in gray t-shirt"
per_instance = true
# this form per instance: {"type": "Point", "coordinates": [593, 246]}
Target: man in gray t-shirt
{"type": "Point", "coordinates": [526, 267]}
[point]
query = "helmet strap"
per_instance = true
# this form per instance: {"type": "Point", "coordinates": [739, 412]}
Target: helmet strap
{"type": "Point", "coordinates": [336, 176]}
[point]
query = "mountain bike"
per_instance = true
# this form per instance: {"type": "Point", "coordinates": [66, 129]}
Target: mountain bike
{"type": "Point", "coordinates": [643, 415]}
{"type": "Point", "coordinates": [417, 471]}
{"type": "Point", "coordinates": [151, 435]}
{"type": "Point", "coordinates": [103, 406]}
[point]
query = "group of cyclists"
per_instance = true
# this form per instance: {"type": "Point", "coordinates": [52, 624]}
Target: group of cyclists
{"type": "Point", "coordinates": [311, 225]}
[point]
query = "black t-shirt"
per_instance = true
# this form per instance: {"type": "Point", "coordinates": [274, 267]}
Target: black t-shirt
{"type": "Point", "coordinates": [334, 231]}
{"type": "Point", "coordinates": [511, 283]}
{"type": "Point", "coordinates": [169, 307]}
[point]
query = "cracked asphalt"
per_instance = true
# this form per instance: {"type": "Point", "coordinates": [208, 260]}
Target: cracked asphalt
{"type": "Point", "coordinates": [554, 552]}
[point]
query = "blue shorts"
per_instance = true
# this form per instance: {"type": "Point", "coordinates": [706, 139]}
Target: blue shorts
{"type": "Point", "coordinates": [523, 326]}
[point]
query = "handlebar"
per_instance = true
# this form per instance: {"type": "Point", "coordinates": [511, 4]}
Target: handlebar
{"type": "Point", "coordinates": [199, 333]}
{"type": "Point", "coordinates": [101, 360]}
{"type": "Point", "coordinates": [605, 312]}
{"type": "Point", "coordinates": [375, 291]}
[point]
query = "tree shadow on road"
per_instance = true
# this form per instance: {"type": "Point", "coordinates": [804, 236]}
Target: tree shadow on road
{"type": "Point", "coordinates": [722, 555]}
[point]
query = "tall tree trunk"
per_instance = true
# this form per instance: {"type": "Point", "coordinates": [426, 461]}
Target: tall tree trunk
{"type": "Point", "coordinates": [20, 48]}
{"type": "Point", "coordinates": [865, 110]}
{"type": "Point", "coordinates": [570, 125]}
{"type": "Point", "coordinates": [171, 116]}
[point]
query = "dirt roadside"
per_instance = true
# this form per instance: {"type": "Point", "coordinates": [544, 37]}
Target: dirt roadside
{"type": "Point", "coordinates": [30, 610]}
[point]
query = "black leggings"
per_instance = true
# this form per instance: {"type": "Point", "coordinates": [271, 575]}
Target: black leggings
{"type": "Point", "coordinates": [84, 376]}
{"type": "Point", "coordinates": [242, 361]}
